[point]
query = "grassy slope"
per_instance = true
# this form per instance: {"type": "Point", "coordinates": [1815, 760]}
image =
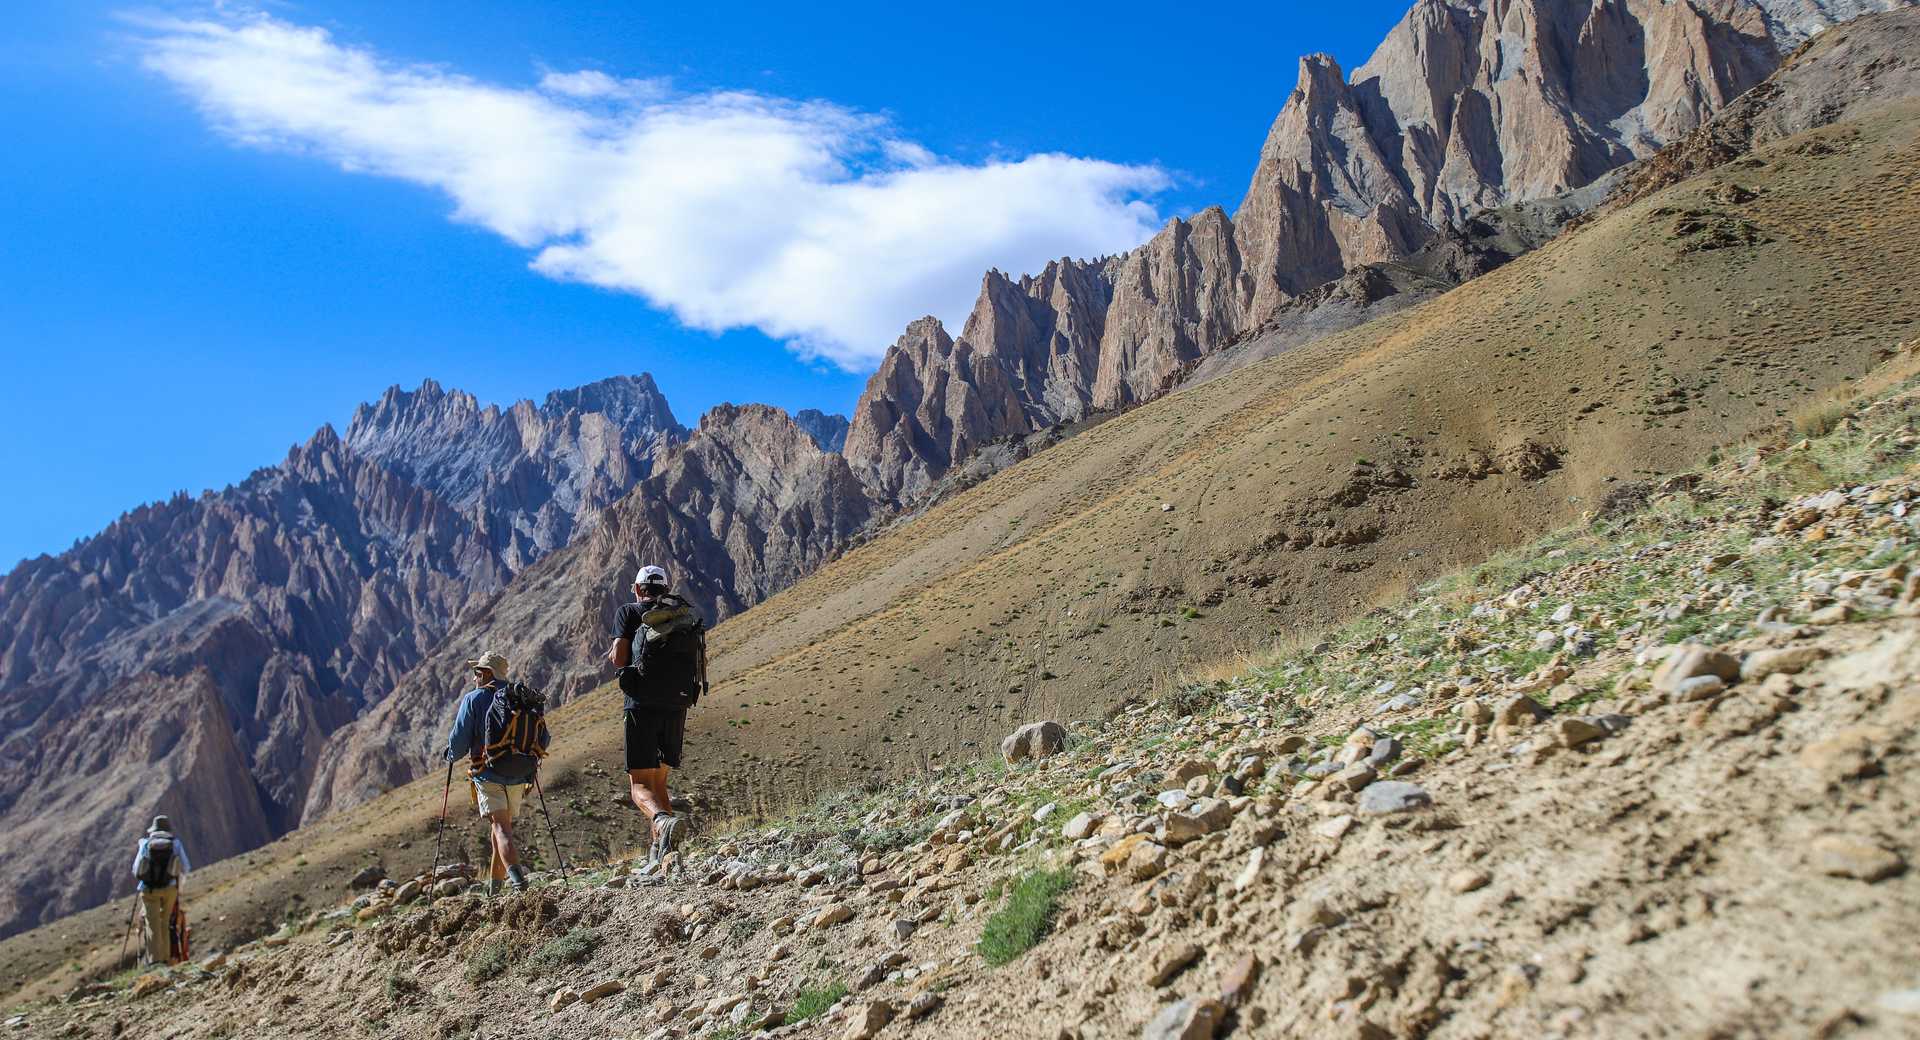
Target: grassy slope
{"type": "Point", "coordinates": [935, 639]}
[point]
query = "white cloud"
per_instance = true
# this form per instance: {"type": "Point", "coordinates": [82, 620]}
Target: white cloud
{"type": "Point", "coordinates": [814, 223]}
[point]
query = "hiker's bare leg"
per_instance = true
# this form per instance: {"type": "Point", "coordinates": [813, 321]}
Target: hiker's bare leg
{"type": "Point", "coordinates": [505, 854]}
{"type": "Point", "coordinates": [649, 790]}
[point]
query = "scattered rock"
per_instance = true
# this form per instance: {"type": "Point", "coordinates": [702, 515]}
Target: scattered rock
{"type": "Point", "coordinates": [1190, 1019]}
{"type": "Point", "coordinates": [872, 1017]}
{"type": "Point", "coordinates": [600, 990]}
{"type": "Point", "coordinates": [1692, 660]}
{"type": "Point", "coordinates": [1573, 732]}
{"type": "Point", "coordinates": [1699, 688]}
{"type": "Point", "coordinates": [1334, 828]}
{"type": "Point", "coordinates": [832, 915]}
{"type": "Point", "coordinates": [1468, 879]}
{"type": "Point", "coordinates": [925, 1004]}
{"type": "Point", "coordinates": [1080, 826]}
{"type": "Point", "coordinates": [1034, 740]}
{"type": "Point", "coordinates": [1521, 710]}
{"type": "Point", "coordinates": [1251, 872]}
{"type": "Point", "coordinates": [1356, 776]}
{"type": "Point", "coordinates": [368, 877]}
{"type": "Point", "coordinates": [1201, 819]}
{"type": "Point", "coordinates": [1170, 962]}
{"type": "Point", "coordinates": [1840, 855]}
{"type": "Point", "coordinates": [1789, 660]}
{"type": "Point", "coordinates": [1392, 796]}
{"type": "Point", "coordinates": [561, 998]}
{"type": "Point", "coordinates": [1236, 983]}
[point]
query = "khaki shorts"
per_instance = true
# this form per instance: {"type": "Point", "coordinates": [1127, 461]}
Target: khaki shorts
{"type": "Point", "coordinates": [493, 798]}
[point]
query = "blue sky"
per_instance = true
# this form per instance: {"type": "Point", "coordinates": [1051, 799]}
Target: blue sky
{"type": "Point", "coordinates": [193, 282]}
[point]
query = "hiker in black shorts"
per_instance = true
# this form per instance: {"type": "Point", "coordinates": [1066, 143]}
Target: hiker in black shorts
{"type": "Point", "coordinates": [660, 647]}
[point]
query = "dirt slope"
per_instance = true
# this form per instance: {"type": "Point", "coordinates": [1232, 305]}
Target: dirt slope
{"type": "Point", "coordinates": [1649, 777]}
{"type": "Point", "coordinates": [1298, 491]}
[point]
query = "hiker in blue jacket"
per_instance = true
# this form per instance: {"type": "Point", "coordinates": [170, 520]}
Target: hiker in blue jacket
{"type": "Point", "coordinates": [500, 779]}
{"type": "Point", "coordinates": [160, 862]}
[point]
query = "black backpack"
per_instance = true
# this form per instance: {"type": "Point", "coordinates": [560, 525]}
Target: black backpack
{"type": "Point", "coordinates": [516, 724]}
{"type": "Point", "coordinates": [667, 651]}
{"type": "Point", "coordinates": [159, 870]}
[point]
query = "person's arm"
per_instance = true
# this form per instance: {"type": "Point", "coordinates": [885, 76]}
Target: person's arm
{"type": "Point", "coordinates": [181, 863]}
{"type": "Point", "coordinates": [703, 665]}
{"type": "Point", "coordinates": [139, 857]}
{"type": "Point", "coordinates": [625, 624]}
{"type": "Point", "coordinates": [460, 741]}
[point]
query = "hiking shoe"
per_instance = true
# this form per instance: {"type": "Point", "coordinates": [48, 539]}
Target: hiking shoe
{"type": "Point", "coordinates": [664, 827]}
{"type": "Point", "coordinates": [493, 887]}
{"type": "Point", "coordinates": [517, 877]}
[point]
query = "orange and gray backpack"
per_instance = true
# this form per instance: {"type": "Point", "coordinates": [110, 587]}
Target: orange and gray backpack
{"type": "Point", "coordinates": [516, 724]}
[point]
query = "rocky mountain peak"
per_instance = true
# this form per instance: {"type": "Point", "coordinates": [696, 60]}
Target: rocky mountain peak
{"type": "Point", "coordinates": [827, 431]}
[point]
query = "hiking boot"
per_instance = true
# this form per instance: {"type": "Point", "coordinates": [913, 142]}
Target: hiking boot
{"type": "Point", "coordinates": [493, 887]}
{"type": "Point", "coordinates": [517, 877]}
{"type": "Point", "coordinates": [664, 825]}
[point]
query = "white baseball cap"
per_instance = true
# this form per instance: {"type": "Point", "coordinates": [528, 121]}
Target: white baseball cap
{"type": "Point", "coordinates": [651, 575]}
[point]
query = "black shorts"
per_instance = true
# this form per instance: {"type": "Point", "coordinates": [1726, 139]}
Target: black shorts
{"type": "Point", "coordinates": [654, 736]}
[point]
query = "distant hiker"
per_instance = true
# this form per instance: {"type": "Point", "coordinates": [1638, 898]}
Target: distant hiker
{"type": "Point", "coordinates": [501, 729]}
{"type": "Point", "coordinates": [660, 647]}
{"type": "Point", "coordinates": [159, 864]}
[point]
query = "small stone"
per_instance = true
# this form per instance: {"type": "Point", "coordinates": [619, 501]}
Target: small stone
{"type": "Point", "coordinates": [1034, 740]}
{"type": "Point", "coordinates": [1392, 796]}
{"type": "Point", "coordinates": [561, 998]}
{"type": "Point", "coordinates": [832, 915]}
{"type": "Point", "coordinates": [1198, 786]}
{"type": "Point", "coordinates": [1690, 660]}
{"type": "Point", "coordinates": [1699, 688]}
{"type": "Point", "coordinates": [1148, 860]}
{"type": "Point", "coordinates": [1188, 770]}
{"type": "Point", "coordinates": [1573, 732]}
{"type": "Point", "coordinates": [1334, 828]}
{"type": "Point", "coordinates": [869, 1019]}
{"type": "Point", "coordinates": [1356, 776]}
{"type": "Point", "coordinates": [1385, 750]}
{"type": "Point", "coordinates": [600, 990]}
{"type": "Point", "coordinates": [903, 930]}
{"type": "Point", "coordinates": [1840, 855]}
{"type": "Point", "coordinates": [1251, 872]}
{"type": "Point", "coordinates": [1468, 879]}
{"type": "Point", "coordinates": [1831, 615]}
{"type": "Point", "coordinates": [1080, 826]}
{"type": "Point", "coordinates": [1171, 962]}
{"type": "Point", "coordinates": [1900, 1001]}
{"type": "Point", "coordinates": [1189, 1019]}
{"type": "Point", "coordinates": [1847, 755]}
{"type": "Point", "coordinates": [1520, 710]}
{"type": "Point", "coordinates": [1475, 712]}
{"type": "Point", "coordinates": [1116, 855]}
{"type": "Point", "coordinates": [368, 877]}
{"type": "Point", "coordinates": [1789, 660]}
{"type": "Point", "coordinates": [1236, 984]}
{"type": "Point", "coordinates": [1201, 819]}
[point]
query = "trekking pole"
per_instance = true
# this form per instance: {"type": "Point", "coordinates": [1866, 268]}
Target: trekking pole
{"type": "Point", "coordinates": [128, 937]}
{"type": "Point", "coordinates": [442, 829]}
{"type": "Point", "coordinates": [552, 835]}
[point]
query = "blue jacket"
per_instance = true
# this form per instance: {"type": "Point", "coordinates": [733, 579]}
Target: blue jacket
{"type": "Point", "coordinates": [180, 864]}
{"type": "Point", "coordinates": [469, 732]}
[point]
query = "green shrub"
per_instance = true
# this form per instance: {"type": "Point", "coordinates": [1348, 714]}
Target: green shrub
{"type": "Point", "coordinates": [813, 1000]}
{"type": "Point", "coordinates": [489, 962]}
{"type": "Point", "coordinates": [1020, 925]}
{"type": "Point", "coordinates": [571, 948]}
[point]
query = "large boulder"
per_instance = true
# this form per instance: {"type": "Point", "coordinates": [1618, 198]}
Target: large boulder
{"type": "Point", "coordinates": [1034, 740]}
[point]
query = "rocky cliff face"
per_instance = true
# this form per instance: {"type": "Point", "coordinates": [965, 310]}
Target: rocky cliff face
{"type": "Point", "coordinates": [1467, 105]}
{"type": "Point", "coordinates": [528, 473]}
{"type": "Point", "coordinates": [744, 508]}
{"type": "Point", "coordinates": [299, 597]}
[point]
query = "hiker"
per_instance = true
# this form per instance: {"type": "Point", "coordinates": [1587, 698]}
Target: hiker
{"type": "Point", "coordinates": [159, 864]}
{"type": "Point", "coordinates": [660, 647]}
{"type": "Point", "coordinates": [503, 741]}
